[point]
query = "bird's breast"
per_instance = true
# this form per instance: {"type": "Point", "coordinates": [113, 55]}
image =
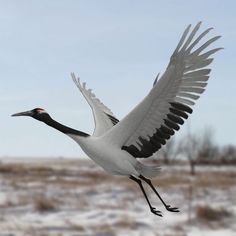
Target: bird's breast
{"type": "Point", "coordinates": [98, 150]}
{"type": "Point", "coordinates": [109, 157]}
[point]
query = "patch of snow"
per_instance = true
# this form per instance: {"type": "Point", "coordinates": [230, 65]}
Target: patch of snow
{"type": "Point", "coordinates": [205, 232]}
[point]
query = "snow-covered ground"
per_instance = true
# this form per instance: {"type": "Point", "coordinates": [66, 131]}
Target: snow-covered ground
{"type": "Point", "coordinates": [75, 197]}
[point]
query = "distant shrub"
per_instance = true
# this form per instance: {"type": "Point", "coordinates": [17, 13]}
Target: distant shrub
{"type": "Point", "coordinates": [44, 204]}
{"type": "Point", "coordinates": [228, 155]}
{"type": "Point", "coordinates": [12, 169]}
{"type": "Point", "coordinates": [211, 214]}
{"type": "Point", "coordinates": [15, 168]}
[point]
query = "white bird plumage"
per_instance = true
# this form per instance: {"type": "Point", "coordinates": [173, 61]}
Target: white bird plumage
{"type": "Point", "coordinates": [101, 113]}
{"type": "Point", "coordinates": [115, 145]}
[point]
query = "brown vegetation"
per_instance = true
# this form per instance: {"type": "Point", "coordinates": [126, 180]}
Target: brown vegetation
{"type": "Point", "coordinates": [44, 204]}
{"type": "Point", "coordinates": [208, 213]}
{"type": "Point", "coordinates": [75, 226]}
{"type": "Point", "coordinates": [215, 179]}
{"type": "Point", "coordinates": [77, 188]}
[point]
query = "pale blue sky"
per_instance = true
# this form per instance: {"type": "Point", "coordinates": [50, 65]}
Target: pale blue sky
{"type": "Point", "coordinates": [117, 47]}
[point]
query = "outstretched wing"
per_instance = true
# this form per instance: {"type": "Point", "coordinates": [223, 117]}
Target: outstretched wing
{"type": "Point", "coordinates": [147, 127]}
{"type": "Point", "coordinates": [103, 117]}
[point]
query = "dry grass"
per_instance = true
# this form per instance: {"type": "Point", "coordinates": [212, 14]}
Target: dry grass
{"type": "Point", "coordinates": [34, 170]}
{"type": "Point", "coordinates": [75, 226]}
{"type": "Point", "coordinates": [103, 229]}
{"type": "Point", "coordinates": [8, 203]}
{"type": "Point", "coordinates": [201, 179]}
{"type": "Point", "coordinates": [44, 204]}
{"type": "Point", "coordinates": [215, 179]}
{"type": "Point", "coordinates": [76, 186]}
{"type": "Point", "coordinates": [208, 213]}
{"type": "Point", "coordinates": [18, 175]}
{"type": "Point", "coordinates": [171, 180]}
{"type": "Point", "coordinates": [12, 168]}
{"type": "Point", "coordinates": [125, 223]}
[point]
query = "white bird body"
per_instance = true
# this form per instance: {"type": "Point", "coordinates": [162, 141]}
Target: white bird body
{"type": "Point", "coordinates": [113, 160]}
{"type": "Point", "coordinates": [115, 145]}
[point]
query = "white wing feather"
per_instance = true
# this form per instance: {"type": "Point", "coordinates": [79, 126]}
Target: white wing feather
{"type": "Point", "coordinates": [182, 82]}
{"type": "Point", "coordinates": [103, 116]}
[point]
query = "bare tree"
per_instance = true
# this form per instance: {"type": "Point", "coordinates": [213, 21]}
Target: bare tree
{"type": "Point", "coordinates": [190, 148]}
{"type": "Point", "coordinates": [208, 150]}
{"type": "Point", "coordinates": [200, 148]}
{"type": "Point", "coordinates": [228, 155]}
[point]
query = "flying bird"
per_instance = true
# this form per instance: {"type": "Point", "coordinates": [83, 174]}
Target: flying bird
{"type": "Point", "coordinates": [116, 145]}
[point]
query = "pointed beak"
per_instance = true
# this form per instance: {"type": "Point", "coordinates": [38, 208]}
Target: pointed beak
{"type": "Point", "coordinates": [25, 113]}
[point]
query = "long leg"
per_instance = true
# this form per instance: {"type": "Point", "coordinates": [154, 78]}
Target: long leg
{"type": "Point", "coordinates": [168, 207]}
{"type": "Point", "coordinates": [153, 209]}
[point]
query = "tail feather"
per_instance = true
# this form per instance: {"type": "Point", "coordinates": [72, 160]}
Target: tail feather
{"type": "Point", "coordinates": [148, 171]}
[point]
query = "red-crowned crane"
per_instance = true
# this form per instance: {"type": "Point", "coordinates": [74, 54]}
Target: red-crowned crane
{"type": "Point", "coordinates": [116, 145]}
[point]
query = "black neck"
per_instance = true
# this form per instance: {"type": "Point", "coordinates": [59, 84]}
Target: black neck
{"type": "Point", "coordinates": [62, 128]}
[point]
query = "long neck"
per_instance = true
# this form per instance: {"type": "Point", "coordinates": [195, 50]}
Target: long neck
{"type": "Point", "coordinates": [62, 128]}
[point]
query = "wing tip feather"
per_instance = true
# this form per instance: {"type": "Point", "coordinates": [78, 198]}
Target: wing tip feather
{"type": "Point", "coordinates": [72, 74]}
{"type": "Point", "coordinates": [75, 79]}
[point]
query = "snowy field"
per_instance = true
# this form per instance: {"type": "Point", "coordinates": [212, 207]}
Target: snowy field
{"type": "Point", "coordinates": [58, 197]}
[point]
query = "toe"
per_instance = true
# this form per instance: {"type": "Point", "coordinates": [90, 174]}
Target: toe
{"type": "Point", "coordinates": [172, 209]}
{"type": "Point", "coordinates": [156, 212]}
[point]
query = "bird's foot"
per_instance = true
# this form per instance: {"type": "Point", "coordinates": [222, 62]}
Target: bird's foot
{"type": "Point", "coordinates": [156, 212]}
{"type": "Point", "coordinates": [172, 209]}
